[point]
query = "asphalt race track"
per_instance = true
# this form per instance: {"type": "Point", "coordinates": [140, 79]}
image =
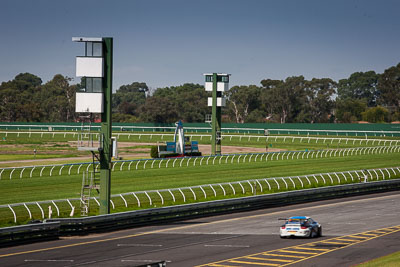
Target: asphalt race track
{"type": "Point", "coordinates": [355, 230]}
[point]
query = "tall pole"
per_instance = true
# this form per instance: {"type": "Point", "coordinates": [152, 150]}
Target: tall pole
{"type": "Point", "coordinates": [216, 119]}
{"type": "Point", "coordinates": [106, 129]}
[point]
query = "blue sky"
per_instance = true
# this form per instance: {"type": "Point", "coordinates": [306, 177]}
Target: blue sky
{"type": "Point", "coordinates": [168, 43]}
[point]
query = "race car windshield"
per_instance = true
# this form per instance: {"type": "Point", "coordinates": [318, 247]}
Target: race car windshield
{"type": "Point", "coordinates": [301, 221]}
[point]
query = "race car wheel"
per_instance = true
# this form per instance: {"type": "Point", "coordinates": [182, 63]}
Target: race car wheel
{"type": "Point", "coordinates": [313, 233]}
{"type": "Point", "coordinates": [319, 232]}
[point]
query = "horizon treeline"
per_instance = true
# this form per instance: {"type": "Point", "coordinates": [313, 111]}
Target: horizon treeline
{"type": "Point", "coordinates": [363, 96]}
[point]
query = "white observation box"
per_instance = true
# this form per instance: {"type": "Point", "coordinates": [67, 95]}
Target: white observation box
{"type": "Point", "coordinates": [221, 101]}
{"type": "Point", "coordinates": [89, 102]}
{"type": "Point", "coordinates": [91, 68]}
{"type": "Point", "coordinates": [222, 82]}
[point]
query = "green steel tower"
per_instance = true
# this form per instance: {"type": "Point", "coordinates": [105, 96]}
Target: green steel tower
{"type": "Point", "coordinates": [217, 83]}
{"type": "Point", "coordinates": [96, 67]}
{"type": "Point", "coordinates": [106, 129]}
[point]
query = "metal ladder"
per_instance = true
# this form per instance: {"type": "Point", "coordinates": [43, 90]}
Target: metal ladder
{"type": "Point", "coordinates": [85, 137]}
{"type": "Point", "coordinates": [90, 181]}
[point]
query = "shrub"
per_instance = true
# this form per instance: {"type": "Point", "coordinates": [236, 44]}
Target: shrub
{"type": "Point", "coordinates": [376, 114]}
{"type": "Point", "coordinates": [154, 152]}
{"type": "Point", "coordinates": [193, 154]}
{"type": "Point", "coordinates": [171, 155]}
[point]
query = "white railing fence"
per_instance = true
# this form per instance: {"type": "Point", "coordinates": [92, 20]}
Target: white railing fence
{"type": "Point", "coordinates": [152, 198]}
{"type": "Point", "coordinates": [128, 165]}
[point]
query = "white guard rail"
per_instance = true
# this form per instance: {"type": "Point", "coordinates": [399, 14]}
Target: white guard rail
{"type": "Point", "coordinates": [161, 197]}
{"type": "Point", "coordinates": [128, 165]}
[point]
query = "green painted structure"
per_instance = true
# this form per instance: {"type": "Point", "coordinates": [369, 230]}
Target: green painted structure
{"type": "Point", "coordinates": [106, 128]}
{"type": "Point", "coordinates": [215, 119]}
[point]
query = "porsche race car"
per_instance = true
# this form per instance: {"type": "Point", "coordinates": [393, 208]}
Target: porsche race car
{"type": "Point", "coordinates": [300, 226]}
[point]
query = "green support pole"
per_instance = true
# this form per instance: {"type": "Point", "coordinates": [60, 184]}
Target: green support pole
{"type": "Point", "coordinates": [218, 128]}
{"type": "Point", "coordinates": [216, 119]}
{"type": "Point", "coordinates": [106, 126]}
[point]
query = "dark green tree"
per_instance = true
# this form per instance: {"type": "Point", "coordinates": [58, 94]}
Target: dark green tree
{"type": "Point", "coordinates": [376, 115]}
{"type": "Point", "coordinates": [187, 102]}
{"type": "Point", "coordinates": [350, 110]}
{"type": "Point", "coordinates": [389, 88]}
{"type": "Point", "coordinates": [360, 85]}
{"type": "Point", "coordinates": [57, 98]}
{"type": "Point", "coordinates": [285, 98]}
{"type": "Point", "coordinates": [320, 101]}
{"type": "Point", "coordinates": [158, 109]}
{"type": "Point", "coordinates": [17, 99]}
{"type": "Point", "coordinates": [243, 101]}
{"type": "Point", "coordinates": [128, 98]}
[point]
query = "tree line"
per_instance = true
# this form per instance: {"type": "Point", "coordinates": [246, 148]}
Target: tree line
{"type": "Point", "coordinates": [363, 96]}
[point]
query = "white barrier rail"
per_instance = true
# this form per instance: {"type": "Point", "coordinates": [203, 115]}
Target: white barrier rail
{"type": "Point", "coordinates": [74, 169]}
{"type": "Point", "coordinates": [51, 127]}
{"type": "Point", "coordinates": [161, 197]}
{"type": "Point", "coordinates": [247, 137]}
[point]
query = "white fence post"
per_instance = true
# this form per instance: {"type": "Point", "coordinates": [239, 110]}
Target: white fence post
{"type": "Point", "coordinates": [58, 210]}
{"type": "Point", "coordinates": [137, 164]}
{"type": "Point", "coordinates": [126, 203]}
{"type": "Point", "coordinates": [194, 195]}
{"type": "Point", "coordinates": [315, 178]}
{"type": "Point", "coordinates": [240, 184]}
{"type": "Point", "coordinates": [13, 212]}
{"type": "Point", "coordinates": [215, 193]}
{"type": "Point", "coordinates": [137, 199]}
{"type": "Point", "coordinates": [269, 186]}
{"type": "Point", "coordinates": [204, 192]}
{"type": "Point", "coordinates": [147, 195]}
{"type": "Point", "coordinates": [60, 171]}
{"type": "Point", "coordinates": [29, 211]}
{"type": "Point", "coordinates": [223, 190]}
{"type": "Point", "coordinates": [173, 197]}
{"type": "Point", "coordinates": [277, 183]}
{"type": "Point", "coordinates": [184, 198]}
{"type": "Point", "coordinates": [233, 189]}
{"type": "Point", "coordinates": [11, 173]}
{"type": "Point", "coordinates": [41, 210]}
{"type": "Point", "coordinates": [285, 183]}
{"type": "Point", "coordinates": [162, 199]}
{"type": "Point", "coordinates": [72, 208]}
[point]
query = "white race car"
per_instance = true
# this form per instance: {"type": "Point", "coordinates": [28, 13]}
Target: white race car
{"type": "Point", "coordinates": [301, 226]}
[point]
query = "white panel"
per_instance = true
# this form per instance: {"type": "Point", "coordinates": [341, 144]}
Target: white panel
{"type": "Point", "coordinates": [89, 67]}
{"type": "Point", "coordinates": [221, 101]}
{"type": "Point", "coordinates": [222, 87]}
{"type": "Point", "coordinates": [87, 39]}
{"type": "Point", "coordinates": [89, 102]}
{"type": "Point", "coordinates": [209, 86]}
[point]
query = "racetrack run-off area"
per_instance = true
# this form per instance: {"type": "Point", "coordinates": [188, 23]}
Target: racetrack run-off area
{"type": "Point", "coordinates": [362, 228]}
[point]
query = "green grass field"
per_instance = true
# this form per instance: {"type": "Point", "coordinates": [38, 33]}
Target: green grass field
{"type": "Point", "coordinates": [58, 187]}
{"type": "Point", "coordinates": [51, 145]}
{"type": "Point", "coordinates": [14, 146]}
{"type": "Point", "coordinates": [392, 260]}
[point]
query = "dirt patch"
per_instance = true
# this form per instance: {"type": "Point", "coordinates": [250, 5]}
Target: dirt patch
{"type": "Point", "coordinates": [206, 149]}
{"type": "Point", "coordinates": [127, 150]}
